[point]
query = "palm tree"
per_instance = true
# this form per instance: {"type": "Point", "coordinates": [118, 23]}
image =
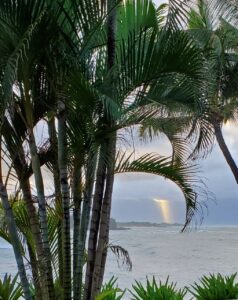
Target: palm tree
{"type": "Point", "coordinates": [138, 76]}
{"type": "Point", "coordinates": [24, 232]}
{"type": "Point", "coordinates": [218, 41]}
{"type": "Point", "coordinates": [105, 177]}
{"type": "Point", "coordinates": [201, 121]}
{"type": "Point", "coordinates": [13, 236]}
{"type": "Point", "coordinates": [63, 61]}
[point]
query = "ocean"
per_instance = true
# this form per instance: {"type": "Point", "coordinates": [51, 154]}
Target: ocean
{"type": "Point", "coordinates": [162, 252]}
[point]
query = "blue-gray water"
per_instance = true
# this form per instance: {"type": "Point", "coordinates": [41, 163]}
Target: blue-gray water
{"type": "Point", "coordinates": [161, 252]}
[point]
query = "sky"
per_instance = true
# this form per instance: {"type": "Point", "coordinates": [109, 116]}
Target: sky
{"type": "Point", "coordinates": [136, 196]}
{"type": "Point", "coordinates": [141, 197]}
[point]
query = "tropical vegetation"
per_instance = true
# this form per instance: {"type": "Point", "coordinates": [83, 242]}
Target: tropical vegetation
{"type": "Point", "coordinates": [10, 289]}
{"type": "Point", "coordinates": [153, 291]}
{"type": "Point", "coordinates": [212, 287]}
{"type": "Point", "coordinates": [75, 77]}
{"type": "Point", "coordinates": [215, 287]}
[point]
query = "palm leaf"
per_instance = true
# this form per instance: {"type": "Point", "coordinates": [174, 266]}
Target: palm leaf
{"type": "Point", "coordinates": [10, 289]}
{"type": "Point", "coordinates": [182, 175]}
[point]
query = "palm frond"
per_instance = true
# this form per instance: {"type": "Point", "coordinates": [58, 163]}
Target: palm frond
{"type": "Point", "coordinates": [122, 255]}
{"type": "Point", "coordinates": [184, 176]}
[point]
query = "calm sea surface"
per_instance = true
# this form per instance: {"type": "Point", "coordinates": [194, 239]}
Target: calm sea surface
{"type": "Point", "coordinates": [163, 252]}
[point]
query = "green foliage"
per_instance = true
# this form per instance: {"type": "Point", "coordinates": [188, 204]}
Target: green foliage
{"type": "Point", "coordinates": [215, 287]}
{"type": "Point", "coordinates": [110, 291]}
{"type": "Point", "coordinates": [10, 289]}
{"type": "Point", "coordinates": [183, 175]}
{"type": "Point", "coordinates": [59, 292]}
{"type": "Point", "coordinates": [53, 50]}
{"type": "Point", "coordinates": [23, 224]}
{"type": "Point", "coordinates": [152, 291]}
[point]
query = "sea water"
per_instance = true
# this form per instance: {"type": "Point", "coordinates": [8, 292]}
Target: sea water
{"type": "Point", "coordinates": [162, 252]}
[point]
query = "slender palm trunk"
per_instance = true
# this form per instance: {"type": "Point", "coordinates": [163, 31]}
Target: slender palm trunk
{"type": "Point", "coordinates": [42, 213]}
{"type": "Point", "coordinates": [77, 199]}
{"type": "Point", "coordinates": [31, 212]}
{"type": "Point", "coordinates": [111, 32]}
{"type": "Point", "coordinates": [15, 242]}
{"type": "Point", "coordinates": [35, 273]}
{"type": "Point", "coordinates": [95, 221]}
{"type": "Point", "coordinates": [11, 224]}
{"type": "Point", "coordinates": [110, 146]}
{"type": "Point", "coordinates": [20, 164]}
{"type": "Point", "coordinates": [88, 192]}
{"type": "Point", "coordinates": [104, 259]}
{"type": "Point", "coordinates": [106, 207]}
{"type": "Point", "coordinates": [222, 144]}
{"type": "Point", "coordinates": [62, 160]}
{"type": "Point", "coordinates": [104, 222]}
{"type": "Point", "coordinates": [36, 167]}
{"type": "Point", "coordinates": [58, 200]}
{"type": "Point", "coordinates": [35, 229]}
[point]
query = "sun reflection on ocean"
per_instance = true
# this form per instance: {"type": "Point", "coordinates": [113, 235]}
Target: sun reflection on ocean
{"type": "Point", "coordinates": [165, 209]}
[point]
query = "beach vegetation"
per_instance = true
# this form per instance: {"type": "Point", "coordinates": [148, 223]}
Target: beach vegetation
{"type": "Point", "coordinates": [215, 287]}
{"type": "Point", "coordinates": [10, 288]}
{"type": "Point", "coordinates": [110, 291]}
{"type": "Point", "coordinates": [157, 291]}
{"type": "Point", "coordinates": [78, 80]}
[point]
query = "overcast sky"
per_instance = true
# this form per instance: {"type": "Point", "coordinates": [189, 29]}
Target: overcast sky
{"type": "Point", "coordinates": [134, 194]}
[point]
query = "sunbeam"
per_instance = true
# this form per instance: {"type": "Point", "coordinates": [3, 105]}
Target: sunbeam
{"type": "Point", "coordinates": [165, 208]}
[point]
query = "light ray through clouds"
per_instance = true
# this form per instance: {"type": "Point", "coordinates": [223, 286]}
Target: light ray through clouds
{"type": "Point", "coordinates": [132, 192]}
{"type": "Point", "coordinates": [165, 209]}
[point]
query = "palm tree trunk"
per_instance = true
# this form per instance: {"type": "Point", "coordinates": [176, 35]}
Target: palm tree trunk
{"type": "Point", "coordinates": [36, 167]}
{"type": "Point", "coordinates": [58, 199]}
{"type": "Point", "coordinates": [31, 212]}
{"type": "Point", "coordinates": [106, 207]}
{"type": "Point", "coordinates": [62, 160]}
{"type": "Point", "coordinates": [222, 144]}
{"type": "Point", "coordinates": [88, 192]}
{"type": "Point", "coordinates": [104, 259]}
{"type": "Point", "coordinates": [42, 212]}
{"type": "Point", "coordinates": [11, 224]}
{"type": "Point", "coordinates": [111, 152]}
{"type": "Point", "coordinates": [35, 273]}
{"type": "Point", "coordinates": [19, 164]}
{"type": "Point", "coordinates": [95, 221]}
{"type": "Point", "coordinates": [15, 241]}
{"type": "Point", "coordinates": [35, 229]}
{"type": "Point", "coordinates": [77, 199]}
{"type": "Point", "coordinates": [105, 219]}
{"type": "Point", "coordinates": [111, 31]}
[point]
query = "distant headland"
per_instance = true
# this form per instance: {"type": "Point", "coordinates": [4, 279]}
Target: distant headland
{"type": "Point", "coordinates": [114, 225]}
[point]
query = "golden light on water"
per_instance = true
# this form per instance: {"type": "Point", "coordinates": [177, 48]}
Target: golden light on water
{"type": "Point", "coordinates": [165, 209]}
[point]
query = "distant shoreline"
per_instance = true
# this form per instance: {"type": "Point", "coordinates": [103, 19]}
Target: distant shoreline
{"type": "Point", "coordinates": [114, 225]}
{"type": "Point", "coordinates": [146, 224]}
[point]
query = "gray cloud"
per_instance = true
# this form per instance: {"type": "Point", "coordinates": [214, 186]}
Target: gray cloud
{"type": "Point", "coordinates": [133, 194]}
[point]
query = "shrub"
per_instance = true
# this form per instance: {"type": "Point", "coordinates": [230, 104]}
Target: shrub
{"type": "Point", "coordinates": [215, 287]}
{"type": "Point", "coordinates": [10, 289]}
{"type": "Point", "coordinates": [110, 291]}
{"type": "Point", "coordinates": [152, 291]}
